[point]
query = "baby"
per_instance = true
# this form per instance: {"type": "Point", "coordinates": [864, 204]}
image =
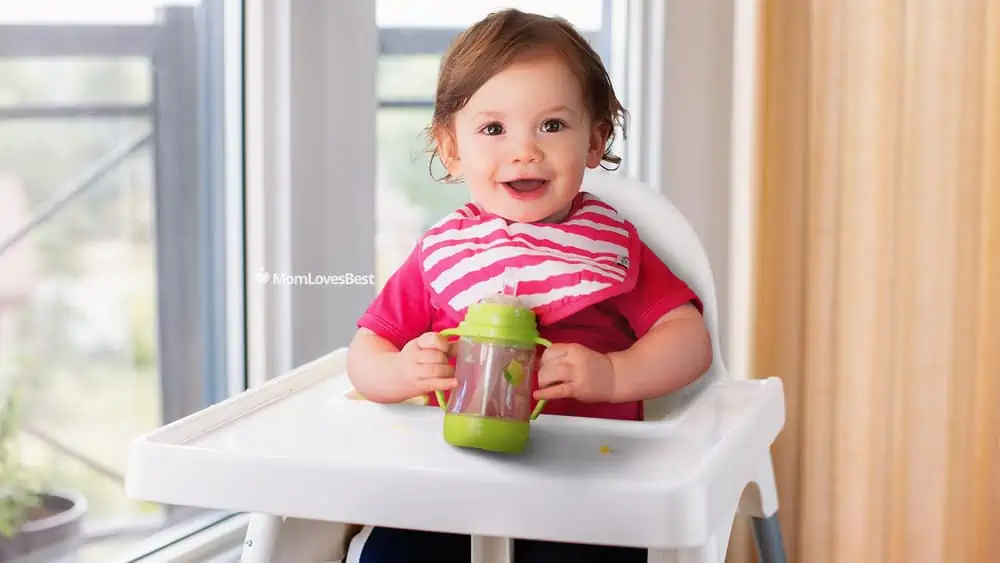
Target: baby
{"type": "Point", "coordinates": [523, 108]}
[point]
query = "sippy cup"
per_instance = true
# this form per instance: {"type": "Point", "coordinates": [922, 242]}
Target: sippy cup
{"type": "Point", "coordinates": [490, 407]}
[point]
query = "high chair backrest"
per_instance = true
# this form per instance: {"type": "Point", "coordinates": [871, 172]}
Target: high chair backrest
{"type": "Point", "coordinates": [668, 234]}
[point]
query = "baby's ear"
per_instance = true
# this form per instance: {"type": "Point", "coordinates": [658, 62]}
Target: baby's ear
{"type": "Point", "coordinates": [599, 134]}
{"type": "Point", "coordinates": [448, 152]}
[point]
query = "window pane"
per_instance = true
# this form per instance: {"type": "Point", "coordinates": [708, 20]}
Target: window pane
{"type": "Point", "coordinates": [409, 199]}
{"type": "Point", "coordinates": [407, 77]}
{"type": "Point", "coordinates": [69, 81]}
{"type": "Point", "coordinates": [585, 14]}
{"type": "Point", "coordinates": [100, 168]}
{"type": "Point", "coordinates": [85, 11]}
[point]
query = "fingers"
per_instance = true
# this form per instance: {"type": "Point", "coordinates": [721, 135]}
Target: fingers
{"type": "Point", "coordinates": [424, 367]}
{"type": "Point", "coordinates": [434, 371]}
{"type": "Point", "coordinates": [555, 381]}
{"type": "Point", "coordinates": [557, 391]}
{"type": "Point", "coordinates": [433, 341]}
{"type": "Point", "coordinates": [429, 356]}
{"type": "Point", "coordinates": [434, 377]}
{"type": "Point", "coordinates": [553, 373]}
{"type": "Point", "coordinates": [436, 384]}
{"type": "Point", "coordinates": [556, 352]}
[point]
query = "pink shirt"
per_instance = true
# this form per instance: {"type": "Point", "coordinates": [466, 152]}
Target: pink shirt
{"type": "Point", "coordinates": [403, 311]}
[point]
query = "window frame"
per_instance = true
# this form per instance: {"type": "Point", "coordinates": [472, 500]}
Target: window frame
{"type": "Point", "coordinates": [691, 87]}
{"type": "Point", "coordinates": [306, 83]}
{"type": "Point", "coordinates": [218, 271]}
{"type": "Point", "coordinates": [207, 254]}
{"type": "Point", "coordinates": [197, 157]}
{"type": "Point", "coordinates": [199, 229]}
{"type": "Point", "coordinates": [199, 240]}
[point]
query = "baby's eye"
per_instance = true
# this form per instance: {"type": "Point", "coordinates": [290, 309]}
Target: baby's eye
{"type": "Point", "coordinates": [553, 126]}
{"type": "Point", "coordinates": [492, 129]}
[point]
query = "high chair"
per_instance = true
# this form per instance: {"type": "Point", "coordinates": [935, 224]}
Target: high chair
{"type": "Point", "coordinates": [312, 464]}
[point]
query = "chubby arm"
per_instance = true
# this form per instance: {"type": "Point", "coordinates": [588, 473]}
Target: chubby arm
{"type": "Point", "coordinates": [676, 351]}
{"type": "Point", "coordinates": [673, 347]}
{"type": "Point", "coordinates": [392, 357]}
{"type": "Point", "coordinates": [384, 374]}
{"type": "Point", "coordinates": [369, 361]}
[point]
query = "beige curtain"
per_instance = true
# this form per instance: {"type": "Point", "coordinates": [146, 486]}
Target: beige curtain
{"type": "Point", "coordinates": [877, 284]}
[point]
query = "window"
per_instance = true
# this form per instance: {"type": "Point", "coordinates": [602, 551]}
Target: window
{"type": "Point", "coordinates": [412, 40]}
{"type": "Point", "coordinates": [121, 244]}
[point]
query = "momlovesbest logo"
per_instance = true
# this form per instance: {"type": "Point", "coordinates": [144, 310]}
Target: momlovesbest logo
{"type": "Point", "coordinates": [277, 278]}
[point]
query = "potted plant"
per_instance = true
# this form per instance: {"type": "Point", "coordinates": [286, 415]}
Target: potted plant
{"type": "Point", "coordinates": [33, 520]}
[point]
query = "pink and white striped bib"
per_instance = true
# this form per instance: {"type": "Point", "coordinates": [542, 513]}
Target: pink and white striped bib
{"type": "Point", "coordinates": [560, 268]}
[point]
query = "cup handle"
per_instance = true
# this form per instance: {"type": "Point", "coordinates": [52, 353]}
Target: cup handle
{"type": "Point", "coordinates": [541, 404]}
{"type": "Point", "coordinates": [440, 394]}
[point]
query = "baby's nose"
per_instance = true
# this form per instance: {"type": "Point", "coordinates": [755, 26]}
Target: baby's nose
{"type": "Point", "coordinates": [526, 149]}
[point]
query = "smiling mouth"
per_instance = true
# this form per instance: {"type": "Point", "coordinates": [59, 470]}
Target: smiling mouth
{"type": "Point", "coordinates": [526, 185]}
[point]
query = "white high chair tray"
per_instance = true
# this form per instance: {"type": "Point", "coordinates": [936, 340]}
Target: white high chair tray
{"type": "Point", "coordinates": [298, 447]}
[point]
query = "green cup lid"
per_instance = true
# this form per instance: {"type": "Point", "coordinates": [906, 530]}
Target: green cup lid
{"type": "Point", "coordinates": [499, 319]}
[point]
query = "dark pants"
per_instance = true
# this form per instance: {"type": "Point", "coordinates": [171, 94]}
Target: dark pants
{"type": "Point", "coordinates": [389, 545]}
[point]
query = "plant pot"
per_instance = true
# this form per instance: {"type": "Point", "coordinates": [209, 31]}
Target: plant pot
{"type": "Point", "coordinates": [55, 528]}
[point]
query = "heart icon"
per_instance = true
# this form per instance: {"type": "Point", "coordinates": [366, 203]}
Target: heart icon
{"type": "Point", "coordinates": [262, 276]}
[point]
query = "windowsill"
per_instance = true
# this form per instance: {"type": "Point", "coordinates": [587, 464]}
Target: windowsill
{"type": "Point", "coordinates": [205, 539]}
{"type": "Point", "coordinates": [216, 538]}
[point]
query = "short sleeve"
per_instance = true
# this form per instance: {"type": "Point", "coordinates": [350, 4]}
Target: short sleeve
{"type": "Point", "coordinates": [657, 292]}
{"type": "Point", "coordinates": [402, 310]}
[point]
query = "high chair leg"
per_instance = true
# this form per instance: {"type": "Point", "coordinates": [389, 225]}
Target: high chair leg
{"type": "Point", "coordinates": [486, 549]}
{"type": "Point", "coordinates": [767, 536]}
{"type": "Point", "coordinates": [713, 552]}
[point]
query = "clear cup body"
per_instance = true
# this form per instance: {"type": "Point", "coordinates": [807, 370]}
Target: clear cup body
{"type": "Point", "coordinates": [484, 389]}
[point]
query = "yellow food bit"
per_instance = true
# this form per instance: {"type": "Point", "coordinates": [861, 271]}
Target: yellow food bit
{"type": "Point", "coordinates": [606, 450]}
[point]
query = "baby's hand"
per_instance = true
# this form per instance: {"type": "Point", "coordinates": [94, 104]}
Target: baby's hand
{"type": "Point", "coordinates": [575, 371]}
{"type": "Point", "coordinates": [422, 365]}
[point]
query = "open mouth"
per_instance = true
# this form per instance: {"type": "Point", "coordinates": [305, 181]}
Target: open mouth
{"type": "Point", "coordinates": [526, 186]}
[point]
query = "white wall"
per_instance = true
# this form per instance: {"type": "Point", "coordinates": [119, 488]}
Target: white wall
{"type": "Point", "coordinates": [310, 174]}
{"type": "Point", "coordinates": [692, 131]}
{"type": "Point", "coordinates": [696, 119]}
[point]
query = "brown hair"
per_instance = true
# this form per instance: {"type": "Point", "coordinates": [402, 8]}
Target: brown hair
{"type": "Point", "coordinates": [509, 36]}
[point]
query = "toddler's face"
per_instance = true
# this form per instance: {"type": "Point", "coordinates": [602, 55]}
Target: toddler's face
{"type": "Point", "coordinates": [524, 141]}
